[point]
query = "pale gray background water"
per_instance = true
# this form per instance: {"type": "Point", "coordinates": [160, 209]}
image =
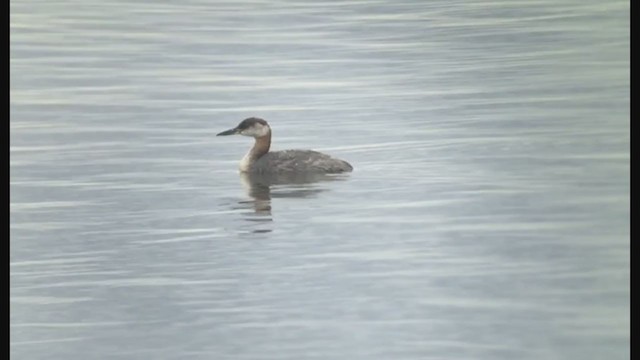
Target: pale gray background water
{"type": "Point", "coordinates": [487, 216]}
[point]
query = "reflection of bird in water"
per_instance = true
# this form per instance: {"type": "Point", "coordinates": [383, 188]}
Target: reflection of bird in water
{"type": "Point", "coordinates": [260, 160]}
{"type": "Point", "coordinates": [285, 185]}
{"type": "Point", "coordinates": [262, 188]}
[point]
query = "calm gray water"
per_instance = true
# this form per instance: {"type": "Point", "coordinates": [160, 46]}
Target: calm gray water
{"type": "Point", "coordinates": [487, 216]}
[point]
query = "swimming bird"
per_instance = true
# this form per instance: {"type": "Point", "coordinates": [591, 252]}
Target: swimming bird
{"type": "Point", "coordinates": [259, 160]}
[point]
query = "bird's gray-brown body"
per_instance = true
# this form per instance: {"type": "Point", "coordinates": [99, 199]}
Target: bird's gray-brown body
{"type": "Point", "coordinates": [307, 161]}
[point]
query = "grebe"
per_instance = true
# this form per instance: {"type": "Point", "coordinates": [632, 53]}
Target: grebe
{"type": "Point", "coordinates": [259, 160]}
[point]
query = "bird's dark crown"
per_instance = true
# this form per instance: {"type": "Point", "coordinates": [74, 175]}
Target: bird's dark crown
{"type": "Point", "coordinates": [250, 122]}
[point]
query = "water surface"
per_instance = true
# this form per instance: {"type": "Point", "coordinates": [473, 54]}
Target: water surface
{"type": "Point", "coordinates": [487, 216]}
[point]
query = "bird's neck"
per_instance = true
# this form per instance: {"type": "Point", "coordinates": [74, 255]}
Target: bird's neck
{"type": "Point", "coordinates": [260, 147]}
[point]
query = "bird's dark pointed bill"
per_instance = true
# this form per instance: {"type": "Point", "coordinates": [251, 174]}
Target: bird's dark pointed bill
{"type": "Point", "coordinates": [228, 132]}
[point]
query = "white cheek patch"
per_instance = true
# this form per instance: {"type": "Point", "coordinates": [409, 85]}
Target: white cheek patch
{"type": "Point", "coordinates": [258, 130]}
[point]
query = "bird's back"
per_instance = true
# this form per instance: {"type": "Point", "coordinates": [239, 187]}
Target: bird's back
{"type": "Point", "coordinates": [299, 161]}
